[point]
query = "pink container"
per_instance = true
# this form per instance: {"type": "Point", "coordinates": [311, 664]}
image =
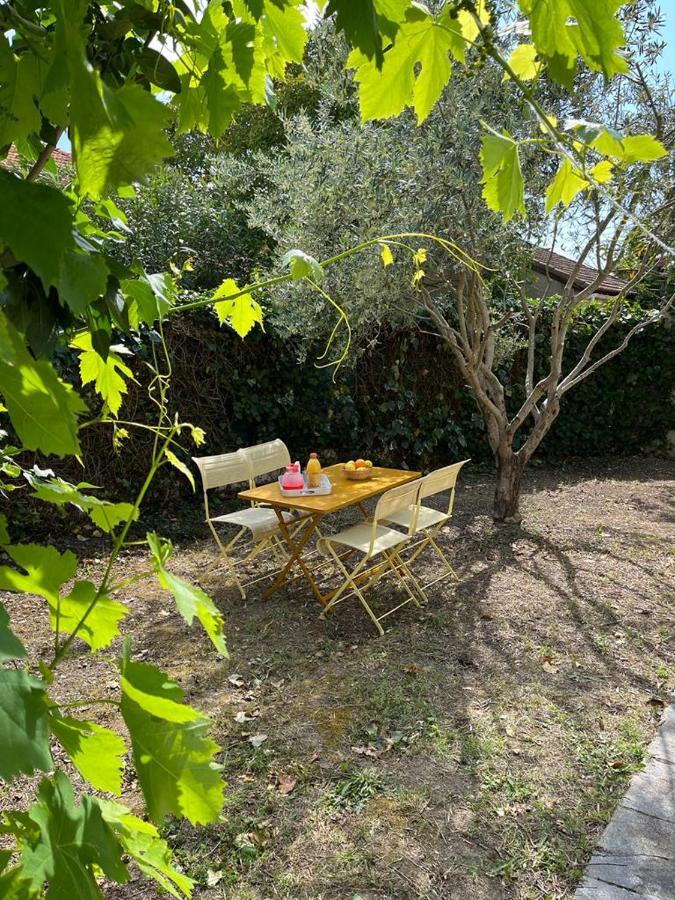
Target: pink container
{"type": "Point", "coordinates": [292, 479]}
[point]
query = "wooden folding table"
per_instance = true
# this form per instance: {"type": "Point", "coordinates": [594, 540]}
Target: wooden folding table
{"type": "Point", "coordinates": [346, 492]}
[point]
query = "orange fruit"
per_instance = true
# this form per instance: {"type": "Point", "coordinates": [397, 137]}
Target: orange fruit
{"type": "Point", "coordinates": [360, 464]}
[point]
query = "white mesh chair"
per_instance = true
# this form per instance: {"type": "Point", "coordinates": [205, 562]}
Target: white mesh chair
{"type": "Point", "coordinates": [262, 523]}
{"type": "Point", "coordinates": [429, 521]}
{"type": "Point", "coordinates": [266, 458]}
{"type": "Point", "coordinates": [373, 539]}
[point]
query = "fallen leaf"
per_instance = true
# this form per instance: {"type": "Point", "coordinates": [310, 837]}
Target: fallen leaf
{"type": "Point", "coordinates": [257, 739]}
{"type": "Point", "coordinates": [212, 878]}
{"type": "Point", "coordinates": [549, 667]}
{"type": "Point", "coordinates": [286, 783]}
{"type": "Point", "coordinates": [236, 680]}
{"type": "Point", "coordinates": [365, 751]}
{"type": "Point", "coordinates": [617, 764]}
{"type": "Point", "coordinates": [411, 670]}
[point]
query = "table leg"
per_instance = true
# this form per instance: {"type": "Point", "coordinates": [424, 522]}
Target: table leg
{"type": "Point", "coordinates": [296, 549]}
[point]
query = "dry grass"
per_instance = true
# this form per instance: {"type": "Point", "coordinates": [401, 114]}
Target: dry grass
{"type": "Point", "coordinates": [473, 752]}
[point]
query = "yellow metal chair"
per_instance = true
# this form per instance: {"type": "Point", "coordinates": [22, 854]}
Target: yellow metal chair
{"type": "Point", "coordinates": [429, 521]}
{"type": "Point", "coordinates": [373, 539]}
{"type": "Point", "coordinates": [225, 470]}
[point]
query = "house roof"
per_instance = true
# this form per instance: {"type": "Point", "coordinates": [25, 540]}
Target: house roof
{"type": "Point", "coordinates": [560, 267]}
{"type": "Point", "coordinates": [13, 159]}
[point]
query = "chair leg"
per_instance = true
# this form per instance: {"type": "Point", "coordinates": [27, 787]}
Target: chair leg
{"type": "Point", "coordinates": [397, 564]}
{"type": "Point", "coordinates": [349, 582]}
{"type": "Point", "coordinates": [228, 562]}
{"type": "Point", "coordinates": [443, 557]}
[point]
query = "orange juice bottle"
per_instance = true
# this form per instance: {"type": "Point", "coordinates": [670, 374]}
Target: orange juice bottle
{"type": "Point", "coordinates": [313, 471]}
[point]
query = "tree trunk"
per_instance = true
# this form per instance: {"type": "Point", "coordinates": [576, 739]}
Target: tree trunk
{"type": "Point", "coordinates": [507, 490]}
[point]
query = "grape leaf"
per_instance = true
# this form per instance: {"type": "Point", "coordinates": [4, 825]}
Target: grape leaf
{"type": "Point", "coordinates": [142, 842]}
{"type": "Point", "coordinates": [567, 183]}
{"type": "Point", "coordinates": [82, 279]}
{"type": "Point", "coordinates": [46, 570]}
{"type": "Point", "coordinates": [10, 645]}
{"type": "Point", "coordinates": [4, 533]}
{"type": "Point", "coordinates": [36, 223]}
{"type": "Point", "coordinates": [302, 265]}
{"type": "Point", "coordinates": [180, 465]}
{"type": "Point", "coordinates": [241, 313]}
{"type": "Point", "coordinates": [43, 409]}
{"type": "Point", "coordinates": [414, 70]}
{"type": "Point", "coordinates": [524, 62]}
{"type": "Point", "coordinates": [104, 513]}
{"type": "Point", "coordinates": [191, 600]}
{"type": "Point", "coordinates": [386, 255]}
{"type": "Point", "coordinates": [23, 725]}
{"type": "Point", "coordinates": [102, 624]}
{"type": "Point", "coordinates": [107, 374]}
{"type": "Point", "coordinates": [72, 841]}
{"type": "Point", "coordinates": [172, 753]}
{"type": "Point", "coordinates": [96, 752]}
{"type": "Point", "coordinates": [642, 148]}
{"type": "Point", "coordinates": [149, 297]}
{"type": "Point", "coordinates": [562, 30]}
{"type": "Point", "coordinates": [19, 86]}
{"type": "Point", "coordinates": [502, 178]}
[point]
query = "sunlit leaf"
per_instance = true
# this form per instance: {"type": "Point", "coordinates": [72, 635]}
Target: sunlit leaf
{"type": "Point", "coordinates": [23, 725]}
{"type": "Point", "coordinates": [105, 514]}
{"type": "Point", "coordinates": [142, 842]}
{"type": "Point", "coordinates": [567, 183]}
{"type": "Point", "coordinates": [191, 600]}
{"type": "Point", "coordinates": [386, 255]}
{"type": "Point", "coordinates": [502, 179]}
{"type": "Point", "coordinates": [96, 752]}
{"type": "Point", "coordinates": [108, 374]}
{"type": "Point", "coordinates": [240, 313]}
{"type": "Point", "coordinates": [302, 265]}
{"type": "Point", "coordinates": [180, 465]}
{"type": "Point", "coordinates": [102, 624]}
{"type": "Point", "coordinates": [524, 62]}
{"type": "Point", "coordinates": [173, 755]}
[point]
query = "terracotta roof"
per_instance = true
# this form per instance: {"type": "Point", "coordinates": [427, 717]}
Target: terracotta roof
{"type": "Point", "coordinates": [560, 267]}
{"type": "Point", "coordinates": [13, 159]}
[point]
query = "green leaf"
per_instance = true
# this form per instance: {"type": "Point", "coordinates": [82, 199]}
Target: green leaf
{"type": "Point", "coordinates": [642, 148]}
{"type": "Point", "coordinates": [562, 30]}
{"type": "Point", "coordinates": [46, 570]}
{"type": "Point", "coordinates": [358, 19]}
{"type": "Point", "coordinates": [23, 725]}
{"type": "Point", "coordinates": [142, 842]}
{"type": "Point", "coordinates": [96, 752]}
{"type": "Point", "coordinates": [386, 255]}
{"type": "Point", "coordinates": [4, 533]}
{"type": "Point", "coordinates": [241, 313]}
{"type": "Point", "coordinates": [43, 409]}
{"type": "Point", "coordinates": [102, 624]}
{"type": "Point", "coordinates": [105, 373]}
{"type": "Point", "coordinates": [105, 514]}
{"type": "Point", "coordinates": [180, 465]}
{"type": "Point", "coordinates": [567, 183]}
{"type": "Point", "coordinates": [414, 70]}
{"type": "Point", "coordinates": [173, 756]}
{"type": "Point", "coordinates": [191, 600]}
{"type": "Point", "coordinates": [302, 265]}
{"type": "Point", "coordinates": [82, 280]}
{"type": "Point", "coordinates": [73, 842]}
{"type": "Point", "coordinates": [13, 884]}
{"type": "Point", "coordinates": [524, 62]}
{"type": "Point", "coordinates": [149, 297]}
{"type": "Point", "coordinates": [502, 178]}
{"type": "Point", "coordinates": [36, 223]}
{"type": "Point", "coordinates": [603, 171]}
{"type": "Point", "coordinates": [284, 25]}
{"type": "Point", "coordinates": [158, 70]}
{"type": "Point", "coordinates": [19, 87]}
{"type": "Point", "coordinates": [10, 646]}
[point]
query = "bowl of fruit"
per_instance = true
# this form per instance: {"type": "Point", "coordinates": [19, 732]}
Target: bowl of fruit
{"type": "Point", "coordinates": [358, 470]}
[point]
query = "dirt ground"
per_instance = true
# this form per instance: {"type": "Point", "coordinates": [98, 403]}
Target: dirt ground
{"type": "Point", "coordinates": [475, 751]}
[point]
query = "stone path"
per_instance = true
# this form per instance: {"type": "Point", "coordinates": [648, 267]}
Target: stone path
{"type": "Point", "coordinates": [636, 856]}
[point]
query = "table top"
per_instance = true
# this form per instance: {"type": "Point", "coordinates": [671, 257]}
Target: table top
{"type": "Point", "coordinates": [345, 492]}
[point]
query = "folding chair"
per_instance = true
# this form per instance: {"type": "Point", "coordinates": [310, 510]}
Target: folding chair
{"type": "Point", "coordinates": [428, 521]}
{"type": "Point", "coordinates": [373, 539]}
{"type": "Point", "coordinates": [222, 471]}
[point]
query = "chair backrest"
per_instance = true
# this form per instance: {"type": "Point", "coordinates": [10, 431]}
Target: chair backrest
{"type": "Point", "coordinates": [221, 471]}
{"type": "Point", "coordinates": [266, 458]}
{"type": "Point", "coordinates": [442, 480]}
{"type": "Point", "coordinates": [401, 497]}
